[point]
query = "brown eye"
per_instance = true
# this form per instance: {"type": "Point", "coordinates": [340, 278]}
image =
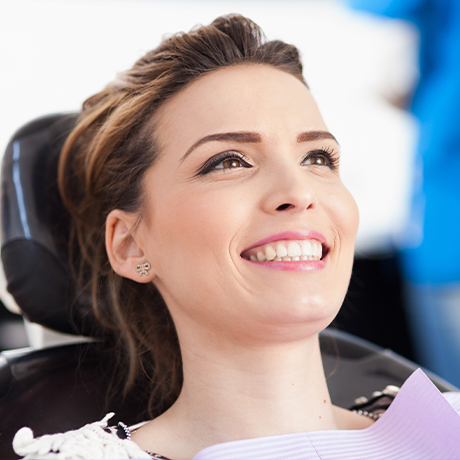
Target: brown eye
{"type": "Point", "coordinates": [223, 162]}
{"type": "Point", "coordinates": [231, 163]}
{"type": "Point", "coordinates": [318, 161]}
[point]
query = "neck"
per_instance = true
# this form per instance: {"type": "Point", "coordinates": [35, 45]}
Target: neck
{"type": "Point", "coordinates": [233, 394]}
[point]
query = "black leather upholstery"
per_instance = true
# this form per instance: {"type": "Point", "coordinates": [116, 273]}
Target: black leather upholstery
{"type": "Point", "coordinates": [35, 227]}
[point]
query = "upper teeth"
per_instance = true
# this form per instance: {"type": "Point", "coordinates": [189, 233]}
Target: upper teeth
{"type": "Point", "coordinates": [288, 251]}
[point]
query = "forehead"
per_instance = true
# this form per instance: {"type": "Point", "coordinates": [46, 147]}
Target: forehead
{"type": "Point", "coordinates": [256, 98]}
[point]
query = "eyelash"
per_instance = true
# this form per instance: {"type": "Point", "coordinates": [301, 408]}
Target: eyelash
{"type": "Point", "coordinates": [332, 161]}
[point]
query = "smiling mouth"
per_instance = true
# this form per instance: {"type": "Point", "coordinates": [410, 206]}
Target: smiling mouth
{"type": "Point", "coordinates": [287, 251]}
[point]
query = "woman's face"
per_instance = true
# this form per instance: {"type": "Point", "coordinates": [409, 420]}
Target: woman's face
{"type": "Point", "coordinates": [249, 230]}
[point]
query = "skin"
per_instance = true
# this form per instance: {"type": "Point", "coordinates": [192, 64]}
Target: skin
{"type": "Point", "coordinates": [248, 333]}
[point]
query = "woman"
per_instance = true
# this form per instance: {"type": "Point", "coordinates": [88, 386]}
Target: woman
{"type": "Point", "coordinates": [228, 247]}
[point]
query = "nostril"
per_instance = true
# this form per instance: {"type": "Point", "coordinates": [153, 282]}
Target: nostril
{"type": "Point", "coordinates": [283, 207]}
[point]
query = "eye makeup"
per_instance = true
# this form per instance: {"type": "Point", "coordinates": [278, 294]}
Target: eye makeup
{"type": "Point", "coordinates": [212, 163]}
{"type": "Point", "coordinates": [217, 162]}
{"type": "Point", "coordinates": [327, 154]}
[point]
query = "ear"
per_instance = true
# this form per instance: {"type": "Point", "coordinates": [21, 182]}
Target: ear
{"type": "Point", "coordinates": [124, 251]}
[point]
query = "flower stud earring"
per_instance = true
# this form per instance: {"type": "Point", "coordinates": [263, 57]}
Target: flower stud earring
{"type": "Point", "coordinates": [143, 269]}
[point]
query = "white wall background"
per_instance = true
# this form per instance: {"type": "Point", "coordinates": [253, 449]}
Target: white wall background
{"type": "Point", "coordinates": [55, 53]}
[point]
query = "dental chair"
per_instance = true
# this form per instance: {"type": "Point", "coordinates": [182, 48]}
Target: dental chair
{"type": "Point", "coordinates": [54, 387]}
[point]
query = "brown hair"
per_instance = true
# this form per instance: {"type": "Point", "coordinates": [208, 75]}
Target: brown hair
{"type": "Point", "coordinates": [102, 166]}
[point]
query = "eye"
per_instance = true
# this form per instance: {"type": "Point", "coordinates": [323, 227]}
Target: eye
{"type": "Point", "coordinates": [224, 161]}
{"type": "Point", "coordinates": [230, 163]}
{"type": "Point", "coordinates": [322, 157]}
{"type": "Point", "coordinates": [316, 160]}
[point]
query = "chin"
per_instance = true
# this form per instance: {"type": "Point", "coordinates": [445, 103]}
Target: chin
{"type": "Point", "coordinates": [313, 313]}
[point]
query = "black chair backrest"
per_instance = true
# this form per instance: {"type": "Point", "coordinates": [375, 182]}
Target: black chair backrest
{"type": "Point", "coordinates": [35, 227]}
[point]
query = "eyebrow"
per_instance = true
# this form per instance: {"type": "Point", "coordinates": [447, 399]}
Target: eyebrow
{"type": "Point", "coordinates": [241, 137]}
{"type": "Point", "coordinates": [309, 136]}
{"type": "Point", "coordinates": [249, 137]}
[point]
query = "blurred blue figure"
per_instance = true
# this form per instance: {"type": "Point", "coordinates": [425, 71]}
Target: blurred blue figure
{"type": "Point", "coordinates": [431, 252]}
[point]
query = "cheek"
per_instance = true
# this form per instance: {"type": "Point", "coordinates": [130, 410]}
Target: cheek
{"type": "Point", "coordinates": [345, 216]}
{"type": "Point", "coordinates": [193, 263]}
{"type": "Point", "coordinates": [351, 217]}
{"type": "Point", "coordinates": [186, 223]}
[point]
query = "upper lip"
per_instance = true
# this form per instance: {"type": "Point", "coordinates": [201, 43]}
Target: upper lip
{"type": "Point", "coordinates": [292, 235]}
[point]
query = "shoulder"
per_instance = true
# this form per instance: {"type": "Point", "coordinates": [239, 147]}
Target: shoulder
{"type": "Point", "coordinates": [94, 440]}
{"type": "Point", "coordinates": [453, 398]}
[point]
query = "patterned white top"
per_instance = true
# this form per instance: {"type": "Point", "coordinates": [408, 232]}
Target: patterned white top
{"type": "Point", "coordinates": [93, 441]}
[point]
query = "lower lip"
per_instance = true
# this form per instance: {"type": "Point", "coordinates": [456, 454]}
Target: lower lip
{"type": "Point", "coordinates": [297, 266]}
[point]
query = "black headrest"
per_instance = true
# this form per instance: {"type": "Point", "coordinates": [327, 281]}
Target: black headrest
{"type": "Point", "coordinates": [35, 228]}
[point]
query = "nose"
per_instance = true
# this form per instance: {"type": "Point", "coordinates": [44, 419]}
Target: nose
{"type": "Point", "coordinates": [289, 190]}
